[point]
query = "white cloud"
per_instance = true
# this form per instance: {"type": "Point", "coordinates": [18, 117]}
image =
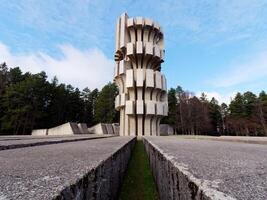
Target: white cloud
{"type": "Point", "coordinates": [89, 68]}
{"type": "Point", "coordinates": [214, 20]}
{"type": "Point", "coordinates": [252, 69]}
{"type": "Point", "coordinates": [221, 98]}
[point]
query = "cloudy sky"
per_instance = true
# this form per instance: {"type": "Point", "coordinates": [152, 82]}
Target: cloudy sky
{"type": "Point", "coordinates": [218, 47]}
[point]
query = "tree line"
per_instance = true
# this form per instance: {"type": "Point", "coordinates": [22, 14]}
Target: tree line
{"type": "Point", "coordinates": [29, 101]}
{"type": "Point", "coordinates": [246, 115]}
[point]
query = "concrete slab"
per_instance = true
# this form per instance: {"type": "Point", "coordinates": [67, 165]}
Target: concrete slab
{"type": "Point", "coordinates": [166, 129]}
{"type": "Point", "coordinates": [13, 142]}
{"type": "Point", "coordinates": [244, 139]}
{"type": "Point", "coordinates": [40, 132]}
{"type": "Point", "coordinates": [83, 128]}
{"type": "Point", "coordinates": [99, 129]}
{"type": "Point", "coordinates": [68, 128]}
{"type": "Point", "coordinates": [116, 128]}
{"type": "Point", "coordinates": [217, 169]}
{"type": "Point", "coordinates": [76, 170]}
{"type": "Point", "coordinates": [109, 128]}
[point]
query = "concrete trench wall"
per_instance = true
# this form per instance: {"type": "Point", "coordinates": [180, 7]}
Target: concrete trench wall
{"type": "Point", "coordinates": [104, 181]}
{"type": "Point", "coordinates": [172, 182]}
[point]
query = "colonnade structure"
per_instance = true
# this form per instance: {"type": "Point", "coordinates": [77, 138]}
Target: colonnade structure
{"type": "Point", "coordinates": [142, 99]}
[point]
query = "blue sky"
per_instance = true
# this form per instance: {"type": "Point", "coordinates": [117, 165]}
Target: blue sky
{"type": "Point", "coordinates": [218, 47]}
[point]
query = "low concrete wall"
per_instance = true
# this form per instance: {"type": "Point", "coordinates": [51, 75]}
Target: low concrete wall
{"type": "Point", "coordinates": [173, 181]}
{"type": "Point", "coordinates": [69, 128]}
{"type": "Point", "coordinates": [109, 128]}
{"type": "Point", "coordinates": [83, 128]}
{"type": "Point", "coordinates": [39, 132]}
{"type": "Point", "coordinates": [99, 129]}
{"type": "Point", "coordinates": [116, 128]}
{"type": "Point", "coordinates": [104, 181]}
{"type": "Point", "coordinates": [166, 129]}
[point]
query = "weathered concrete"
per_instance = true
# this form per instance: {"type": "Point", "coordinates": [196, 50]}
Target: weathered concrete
{"type": "Point", "coordinates": [139, 52]}
{"type": "Point", "coordinates": [109, 128]}
{"type": "Point", "coordinates": [68, 128]}
{"type": "Point", "coordinates": [166, 129]}
{"type": "Point", "coordinates": [13, 142]}
{"type": "Point", "coordinates": [243, 139]}
{"type": "Point", "coordinates": [203, 169]}
{"type": "Point", "coordinates": [99, 129]}
{"type": "Point", "coordinates": [83, 128]}
{"type": "Point", "coordinates": [116, 128]}
{"type": "Point", "coordinates": [40, 132]}
{"type": "Point", "coordinates": [76, 170]}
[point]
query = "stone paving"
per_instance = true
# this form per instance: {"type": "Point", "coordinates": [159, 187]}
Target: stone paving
{"type": "Point", "coordinates": [234, 168]}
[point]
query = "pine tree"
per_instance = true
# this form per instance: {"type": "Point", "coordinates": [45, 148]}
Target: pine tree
{"type": "Point", "coordinates": [172, 105]}
{"type": "Point", "coordinates": [104, 109]}
{"type": "Point", "coordinates": [215, 115]}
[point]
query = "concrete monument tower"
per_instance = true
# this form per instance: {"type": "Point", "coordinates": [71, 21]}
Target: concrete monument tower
{"type": "Point", "coordinates": [142, 99]}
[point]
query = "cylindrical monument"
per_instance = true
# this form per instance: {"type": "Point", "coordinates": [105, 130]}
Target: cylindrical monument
{"type": "Point", "coordinates": [142, 99]}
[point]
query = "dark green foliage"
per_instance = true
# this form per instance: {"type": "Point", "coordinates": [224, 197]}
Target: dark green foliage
{"type": "Point", "coordinates": [28, 101]}
{"type": "Point", "coordinates": [237, 106]}
{"type": "Point", "coordinates": [247, 115]}
{"type": "Point", "coordinates": [23, 103]}
{"type": "Point", "coordinates": [104, 106]}
{"type": "Point", "coordinates": [89, 98]}
{"type": "Point", "coordinates": [215, 115]}
{"type": "Point", "coordinates": [138, 182]}
{"type": "Point", "coordinates": [172, 103]}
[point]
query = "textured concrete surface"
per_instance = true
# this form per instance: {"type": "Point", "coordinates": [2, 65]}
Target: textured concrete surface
{"type": "Point", "coordinates": [166, 129]}
{"type": "Point", "coordinates": [83, 128]}
{"type": "Point", "coordinates": [99, 129]}
{"type": "Point", "coordinates": [116, 128]}
{"type": "Point", "coordinates": [217, 169]}
{"type": "Point", "coordinates": [40, 132]}
{"type": "Point", "coordinates": [90, 169]}
{"type": "Point", "coordinates": [12, 142]}
{"type": "Point", "coordinates": [139, 52]}
{"type": "Point", "coordinates": [68, 128]}
{"type": "Point", "coordinates": [244, 139]}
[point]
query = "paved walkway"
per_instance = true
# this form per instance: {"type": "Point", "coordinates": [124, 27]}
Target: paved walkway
{"type": "Point", "coordinates": [244, 139]}
{"type": "Point", "coordinates": [12, 142]}
{"type": "Point", "coordinates": [42, 172]}
{"type": "Point", "coordinates": [235, 168]}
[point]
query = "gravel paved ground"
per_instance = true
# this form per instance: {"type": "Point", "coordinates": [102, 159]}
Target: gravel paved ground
{"type": "Point", "coordinates": [235, 168]}
{"type": "Point", "coordinates": [41, 172]}
{"type": "Point", "coordinates": [12, 142]}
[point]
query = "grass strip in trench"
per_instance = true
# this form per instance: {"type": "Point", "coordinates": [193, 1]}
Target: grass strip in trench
{"type": "Point", "coordinates": [138, 182]}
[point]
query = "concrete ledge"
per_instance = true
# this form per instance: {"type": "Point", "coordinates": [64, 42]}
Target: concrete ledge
{"type": "Point", "coordinates": [174, 181]}
{"type": "Point", "coordinates": [83, 128]}
{"type": "Point", "coordinates": [80, 170]}
{"type": "Point", "coordinates": [99, 129]}
{"type": "Point", "coordinates": [40, 132]}
{"type": "Point", "coordinates": [68, 128]}
{"type": "Point", "coordinates": [39, 141]}
{"type": "Point", "coordinates": [104, 181]}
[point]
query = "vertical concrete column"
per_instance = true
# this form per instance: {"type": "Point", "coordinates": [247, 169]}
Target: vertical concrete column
{"type": "Point", "coordinates": [142, 99]}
